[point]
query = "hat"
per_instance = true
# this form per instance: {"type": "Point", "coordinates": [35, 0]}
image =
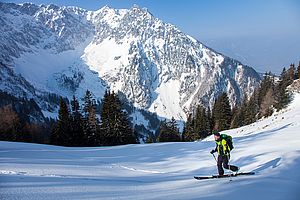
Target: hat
{"type": "Point", "coordinates": [215, 132]}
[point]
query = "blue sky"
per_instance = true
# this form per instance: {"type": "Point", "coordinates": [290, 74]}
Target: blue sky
{"type": "Point", "coordinates": [229, 26]}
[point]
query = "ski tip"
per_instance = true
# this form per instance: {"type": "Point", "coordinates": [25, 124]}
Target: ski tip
{"type": "Point", "coordinates": [245, 173]}
{"type": "Point", "coordinates": [250, 173]}
{"type": "Point", "coordinates": [202, 177]}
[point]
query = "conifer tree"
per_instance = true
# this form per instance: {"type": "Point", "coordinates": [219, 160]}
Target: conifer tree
{"type": "Point", "coordinates": [238, 113]}
{"type": "Point", "coordinates": [288, 76]}
{"type": "Point", "coordinates": [90, 121]}
{"type": "Point", "coordinates": [209, 121]}
{"type": "Point", "coordinates": [222, 113]}
{"type": "Point", "coordinates": [106, 116]}
{"type": "Point", "coordinates": [174, 126]}
{"type": "Point", "coordinates": [169, 131]}
{"type": "Point", "coordinates": [282, 97]}
{"type": "Point", "coordinates": [164, 132]}
{"type": "Point", "coordinates": [115, 126]}
{"type": "Point", "coordinates": [291, 73]}
{"type": "Point", "coordinates": [201, 122]}
{"type": "Point", "coordinates": [76, 124]}
{"type": "Point", "coordinates": [264, 86]}
{"type": "Point", "coordinates": [62, 132]}
{"type": "Point", "coordinates": [236, 117]}
{"type": "Point", "coordinates": [183, 134]}
{"type": "Point", "coordinates": [266, 95]}
{"type": "Point", "coordinates": [189, 130]}
{"type": "Point", "coordinates": [252, 108]}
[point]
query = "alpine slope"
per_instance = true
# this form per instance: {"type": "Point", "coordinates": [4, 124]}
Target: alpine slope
{"type": "Point", "coordinates": [269, 147]}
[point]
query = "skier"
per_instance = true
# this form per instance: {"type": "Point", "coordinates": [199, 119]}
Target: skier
{"type": "Point", "coordinates": [223, 147]}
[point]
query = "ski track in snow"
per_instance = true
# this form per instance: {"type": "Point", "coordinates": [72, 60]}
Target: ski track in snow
{"type": "Point", "coordinates": [270, 147]}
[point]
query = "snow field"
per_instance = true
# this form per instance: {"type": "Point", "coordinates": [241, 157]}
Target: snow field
{"type": "Point", "coordinates": [270, 147]}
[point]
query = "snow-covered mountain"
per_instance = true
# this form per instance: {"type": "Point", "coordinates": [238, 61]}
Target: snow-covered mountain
{"type": "Point", "coordinates": [270, 148]}
{"type": "Point", "coordinates": [67, 50]}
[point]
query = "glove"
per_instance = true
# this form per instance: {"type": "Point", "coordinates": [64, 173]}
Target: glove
{"type": "Point", "coordinates": [212, 151]}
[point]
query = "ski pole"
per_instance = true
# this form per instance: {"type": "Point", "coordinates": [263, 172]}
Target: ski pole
{"type": "Point", "coordinates": [228, 157]}
{"type": "Point", "coordinates": [214, 157]}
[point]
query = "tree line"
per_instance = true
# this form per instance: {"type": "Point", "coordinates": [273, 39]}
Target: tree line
{"type": "Point", "coordinates": [271, 95]}
{"type": "Point", "coordinates": [22, 120]}
{"type": "Point", "coordinates": [80, 126]}
{"type": "Point", "coordinates": [95, 124]}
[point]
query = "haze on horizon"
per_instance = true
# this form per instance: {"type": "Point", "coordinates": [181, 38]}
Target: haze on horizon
{"type": "Point", "coordinates": [262, 34]}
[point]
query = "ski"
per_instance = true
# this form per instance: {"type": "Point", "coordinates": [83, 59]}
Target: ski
{"type": "Point", "coordinates": [223, 176]}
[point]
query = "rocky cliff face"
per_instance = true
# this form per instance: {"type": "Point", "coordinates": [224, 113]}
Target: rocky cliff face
{"type": "Point", "coordinates": [66, 50]}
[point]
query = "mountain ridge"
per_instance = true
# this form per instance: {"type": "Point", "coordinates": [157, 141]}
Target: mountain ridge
{"type": "Point", "coordinates": [66, 50]}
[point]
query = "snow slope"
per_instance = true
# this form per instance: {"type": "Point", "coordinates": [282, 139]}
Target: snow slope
{"type": "Point", "coordinates": [270, 147]}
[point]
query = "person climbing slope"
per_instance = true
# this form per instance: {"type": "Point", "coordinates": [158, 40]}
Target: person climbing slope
{"type": "Point", "coordinates": [223, 147]}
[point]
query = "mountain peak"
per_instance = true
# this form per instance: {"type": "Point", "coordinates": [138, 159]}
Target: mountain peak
{"type": "Point", "coordinates": [137, 8]}
{"type": "Point", "coordinates": [104, 8]}
{"type": "Point", "coordinates": [52, 7]}
{"type": "Point", "coordinates": [141, 11]}
{"type": "Point", "coordinates": [155, 65]}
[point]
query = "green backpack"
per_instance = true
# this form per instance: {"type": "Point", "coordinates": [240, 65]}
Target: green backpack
{"type": "Point", "coordinates": [228, 139]}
